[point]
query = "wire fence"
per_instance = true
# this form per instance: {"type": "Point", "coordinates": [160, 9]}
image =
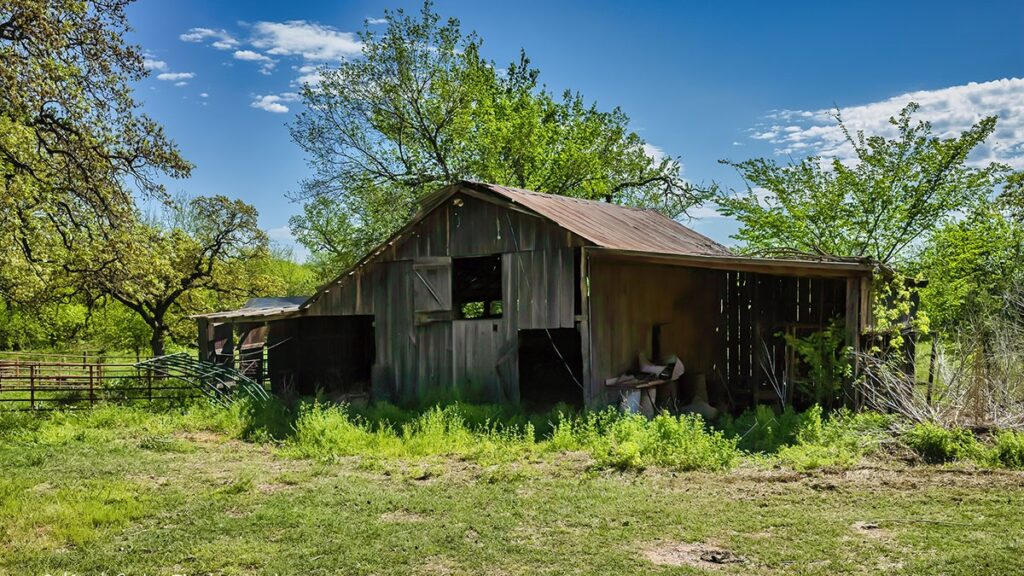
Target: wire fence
{"type": "Point", "coordinates": [36, 381]}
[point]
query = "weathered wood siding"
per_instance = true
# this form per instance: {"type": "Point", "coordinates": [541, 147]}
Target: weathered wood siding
{"type": "Point", "coordinates": [628, 299]}
{"type": "Point", "coordinates": [422, 349]}
{"type": "Point", "coordinates": [725, 324]}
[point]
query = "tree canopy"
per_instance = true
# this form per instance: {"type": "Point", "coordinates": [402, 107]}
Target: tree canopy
{"type": "Point", "coordinates": [422, 107]}
{"type": "Point", "coordinates": [893, 193]}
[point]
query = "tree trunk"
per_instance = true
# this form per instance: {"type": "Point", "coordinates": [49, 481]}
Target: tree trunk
{"type": "Point", "coordinates": [158, 340]}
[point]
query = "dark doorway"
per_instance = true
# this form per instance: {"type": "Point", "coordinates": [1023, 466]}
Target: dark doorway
{"type": "Point", "coordinates": [322, 354]}
{"type": "Point", "coordinates": [550, 368]}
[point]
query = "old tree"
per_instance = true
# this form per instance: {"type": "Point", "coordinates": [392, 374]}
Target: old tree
{"type": "Point", "coordinates": [422, 107]}
{"type": "Point", "coordinates": [75, 153]}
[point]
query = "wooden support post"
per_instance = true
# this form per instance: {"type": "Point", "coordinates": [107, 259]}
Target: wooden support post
{"type": "Point", "coordinates": [932, 357]}
{"type": "Point", "coordinates": [32, 385]}
{"type": "Point", "coordinates": [853, 330]}
{"type": "Point", "coordinates": [92, 396]}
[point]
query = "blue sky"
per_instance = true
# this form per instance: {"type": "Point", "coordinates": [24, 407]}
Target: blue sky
{"type": "Point", "coordinates": [700, 80]}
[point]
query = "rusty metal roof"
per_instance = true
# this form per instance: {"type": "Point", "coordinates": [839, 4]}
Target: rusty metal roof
{"type": "Point", "coordinates": [610, 225]}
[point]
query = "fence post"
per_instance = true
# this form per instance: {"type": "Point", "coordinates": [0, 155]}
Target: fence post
{"type": "Point", "coordinates": [32, 386]}
{"type": "Point", "coordinates": [149, 384]}
{"type": "Point", "coordinates": [92, 397]}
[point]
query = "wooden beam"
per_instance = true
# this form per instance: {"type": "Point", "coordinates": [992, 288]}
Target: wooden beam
{"type": "Point", "coordinates": [808, 268]}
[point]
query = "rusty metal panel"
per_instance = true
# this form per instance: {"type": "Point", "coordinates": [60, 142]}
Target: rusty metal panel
{"type": "Point", "coordinates": [610, 225]}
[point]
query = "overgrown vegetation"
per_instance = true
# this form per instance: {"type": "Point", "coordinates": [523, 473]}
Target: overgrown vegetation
{"type": "Point", "coordinates": [491, 434]}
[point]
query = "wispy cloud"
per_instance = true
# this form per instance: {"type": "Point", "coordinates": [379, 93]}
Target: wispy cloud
{"type": "Point", "coordinates": [266, 63]}
{"type": "Point", "coordinates": [308, 74]}
{"type": "Point", "coordinates": [950, 110]}
{"type": "Point", "coordinates": [274, 102]}
{"type": "Point", "coordinates": [154, 64]}
{"type": "Point", "coordinates": [222, 39]}
{"type": "Point", "coordinates": [309, 40]}
{"type": "Point", "coordinates": [376, 21]}
{"type": "Point", "coordinates": [175, 76]}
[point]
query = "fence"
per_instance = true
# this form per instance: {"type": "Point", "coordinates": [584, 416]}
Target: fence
{"type": "Point", "coordinates": [47, 381]}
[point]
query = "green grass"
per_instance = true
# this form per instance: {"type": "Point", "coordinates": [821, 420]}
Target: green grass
{"type": "Point", "coordinates": [438, 492]}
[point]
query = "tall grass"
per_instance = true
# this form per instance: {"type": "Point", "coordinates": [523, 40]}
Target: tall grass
{"type": "Point", "coordinates": [489, 434]}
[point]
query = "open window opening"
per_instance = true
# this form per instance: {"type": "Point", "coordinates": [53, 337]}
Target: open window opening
{"type": "Point", "coordinates": [550, 368]}
{"type": "Point", "coordinates": [476, 287]}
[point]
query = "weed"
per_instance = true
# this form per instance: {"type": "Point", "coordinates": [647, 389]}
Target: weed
{"type": "Point", "coordinates": [937, 445]}
{"type": "Point", "coordinates": [1008, 450]}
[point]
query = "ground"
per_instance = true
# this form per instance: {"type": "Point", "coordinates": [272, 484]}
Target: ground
{"type": "Point", "coordinates": [199, 503]}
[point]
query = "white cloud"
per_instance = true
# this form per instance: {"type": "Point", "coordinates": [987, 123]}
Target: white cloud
{"type": "Point", "coordinates": [950, 110]}
{"type": "Point", "coordinates": [655, 153]}
{"type": "Point", "coordinates": [204, 95]}
{"type": "Point", "coordinates": [250, 56]}
{"type": "Point", "coordinates": [182, 83]}
{"type": "Point", "coordinates": [274, 102]}
{"type": "Point", "coordinates": [310, 40]}
{"type": "Point", "coordinates": [308, 74]}
{"type": "Point", "coordinates": [175, 76]}
{"type": "Point", "coordinates": [266, 63]}
{"type": "Point", "coordinates": [224, 40]}
{"type": "Point", "coordinates": [152, 64]}
{"type": "Point", "coordinates": [376, 21]}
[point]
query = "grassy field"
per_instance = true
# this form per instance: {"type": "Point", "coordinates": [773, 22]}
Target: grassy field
{"type": "Point", "coordinates": [126, 491]}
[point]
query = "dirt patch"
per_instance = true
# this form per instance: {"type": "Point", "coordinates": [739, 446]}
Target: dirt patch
{"type": "Point", "coordinates": [273, 487]}
{"type": "Point", "coordinates": [202, 437]}
{"type": "Point", "coordinates": [402, 516]}
{"type": "Point", "coordinates": [698, 555]}
{"type": "Point", "coordinates": [869, 529]}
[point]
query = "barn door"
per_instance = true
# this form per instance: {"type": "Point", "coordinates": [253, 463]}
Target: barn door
{"type": "Point", "coordinates": [432, 289]}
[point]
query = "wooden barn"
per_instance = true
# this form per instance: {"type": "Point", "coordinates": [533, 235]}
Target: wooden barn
{"type": "Point", "coordinates": [504, 295]}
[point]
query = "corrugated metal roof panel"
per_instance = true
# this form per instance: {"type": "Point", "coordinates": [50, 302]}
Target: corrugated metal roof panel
{"type": "Point", "coordinates": [259, 313]}
{"type": "Point", "coordinates": [610, 225]}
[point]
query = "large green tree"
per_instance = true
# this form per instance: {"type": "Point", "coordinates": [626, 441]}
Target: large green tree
{"type": "Point", "coordinates": [73, 146]}
{"type": "Point", "coordinates": [972, 264]}
{"type": "Point", "coordinates": [892, 194]}
{"type": "Point", "coordinates": [196, 255]}
{"type": "Point", "coordinates": [422, 107]}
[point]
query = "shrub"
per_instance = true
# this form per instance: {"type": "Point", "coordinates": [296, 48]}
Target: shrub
{"type": "Point", "coordinates": [839, 441]}
{"type": "Point", "coordinates": [761, 429]}
{"type": "Point", "coordinates": [1008, 450]}
{"type": "Point", "coordinates": [631, 442]}
{"type": "Point", "coordinates": [936, 445]}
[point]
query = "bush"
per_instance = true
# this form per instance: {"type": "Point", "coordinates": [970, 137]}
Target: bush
{"type": "Point", "coordinates": [762, 429]}
{"type": "Point", "coordinates": [937, 445]}
{"type": "Point", "coordinates": [840, 441]}
{"type": "Point", "coordinates": [631, 442]}
{"type": "Point", "coordinates": [1008, 450]}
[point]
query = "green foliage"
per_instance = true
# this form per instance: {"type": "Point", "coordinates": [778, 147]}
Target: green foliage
{"type": "Point", "coordinates": [1008, 449]}
{"type": "Point", "coordinates": [74, 148]}
{"type": "Point", "coordinates": [422, 108]}
{"type": "Point", "coordinates": [762, 429]}
{"type": "Point", "coordinates": [936, 444]}
{"type": "Point", "coordinates": [828, 360]}
{"type": "Point", "coordinates": [897, 191]}
{"type": "Point", "coordinates": [840, 441]}
{"type": "Point", "coordinates": [971, 265]}
{"type": "Point", "coordinates": [632, 442]}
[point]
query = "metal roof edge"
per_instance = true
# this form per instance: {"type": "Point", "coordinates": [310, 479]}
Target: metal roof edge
{"type": "Point", "coordinates": [826, 267]}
